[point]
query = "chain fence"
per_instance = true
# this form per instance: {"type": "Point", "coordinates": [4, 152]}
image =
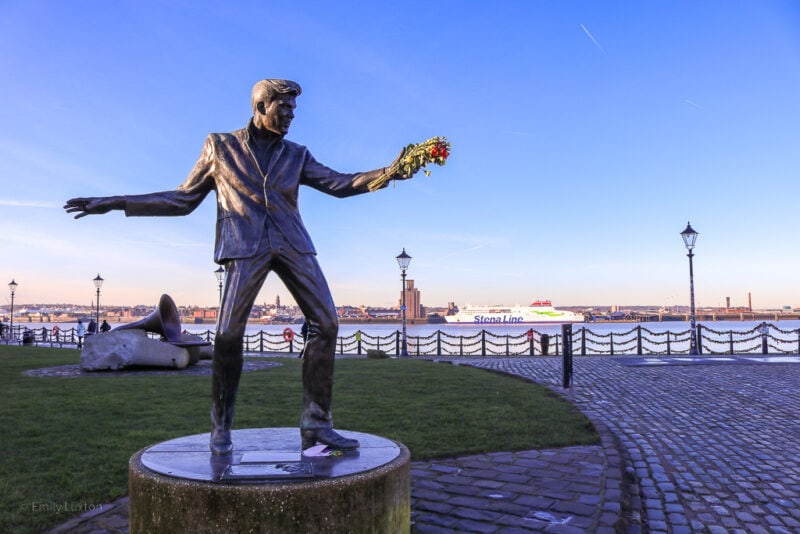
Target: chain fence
{"type": "Point", "coordinates": [765, 338]}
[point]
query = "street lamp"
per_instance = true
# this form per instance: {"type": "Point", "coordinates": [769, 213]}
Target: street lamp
{"type": "Point", "coordinates": [689, 237]}
{"type": "Point", "coordinates": [98, 283]}
{"type": "Point", "coordinates": [220, 274]}
{"type": "Point", "coordinates": [403, 260]}
{"type": "Point", "coordinates": [12, 285]}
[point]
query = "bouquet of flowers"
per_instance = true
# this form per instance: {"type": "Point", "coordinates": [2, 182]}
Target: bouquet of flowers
{"type": "Point", "coordinates": [434, 150]}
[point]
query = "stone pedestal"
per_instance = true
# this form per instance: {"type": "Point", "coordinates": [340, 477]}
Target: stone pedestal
{"type": "Point", "coordinates": [266, 485]}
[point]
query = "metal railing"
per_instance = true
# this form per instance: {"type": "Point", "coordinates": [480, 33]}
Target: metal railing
{"type": "Point", "coordinates": [765, 338]}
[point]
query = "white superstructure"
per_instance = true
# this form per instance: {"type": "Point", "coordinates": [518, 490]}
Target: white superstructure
{"type": "Point", "coordinates": [540, 311]}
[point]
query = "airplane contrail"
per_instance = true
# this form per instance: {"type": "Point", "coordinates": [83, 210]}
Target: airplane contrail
{"type": "Point", "coordinates": [589, 34]}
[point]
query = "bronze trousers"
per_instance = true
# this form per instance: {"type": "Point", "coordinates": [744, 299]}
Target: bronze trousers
{"type": "Point", "coordinates": [302, 276]}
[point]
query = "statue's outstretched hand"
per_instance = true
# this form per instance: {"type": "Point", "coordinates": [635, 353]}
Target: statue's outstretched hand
{"type": "Point", "coordinates": [396, 164]}
{"type": "Point", "coordinates": [93, 205]}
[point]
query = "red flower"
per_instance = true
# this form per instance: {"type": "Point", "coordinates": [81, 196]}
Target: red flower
{"type": "Point", "coordinates": [441, 150]}
{"type": "Point", "coordinates": [435, 152]}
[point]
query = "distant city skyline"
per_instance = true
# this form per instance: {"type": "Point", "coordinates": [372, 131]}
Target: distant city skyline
{"type": "Point", "coordinates": [5, 308]}
{"type": "Point", "coordinates": [584, 136]}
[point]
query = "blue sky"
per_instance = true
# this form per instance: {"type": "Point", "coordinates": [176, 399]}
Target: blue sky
{"type": "Point", "coordinates": [585, 134]}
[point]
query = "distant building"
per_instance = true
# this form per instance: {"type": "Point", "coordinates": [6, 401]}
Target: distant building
{"type": "Point", "coordinates": [414, 310]}
{"type": "Point", "coordinates": [205, 314]}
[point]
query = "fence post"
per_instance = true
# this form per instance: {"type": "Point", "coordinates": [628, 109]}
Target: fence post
{"type": "Point", "coordinates": [341, 345]}
{"type": "Point", "coordinates": [730, 340]}
{"type": "Point", "coordinates": [699, 339]}
{"type": "Point", "coordinates": [583, 341]}
{"type": "Point", "coordinates": [530, 341]}
{"type": "Point", "coordinates": [358, 338]}
{"type": "Point", "coordinates": [764, 329]}
{"type": "Point", "coordinates": [566, 332]}
{"type": "Point", "coordinates": [639, 340]}
{"type": "Point", "coordinates": [461, 345]}
{"type": "Point", "coordinates": [397, 342]}
{"type": "Point", "coordinates": [483, 342]}
{"type": "Point", "coordinates": [508, 349]}
{"type": "Point", "coordinates": [669, 352]}
{"type": "Point", "coordinates": [612, 343]}
{"type": "Point", "coordinates": [439, 342]}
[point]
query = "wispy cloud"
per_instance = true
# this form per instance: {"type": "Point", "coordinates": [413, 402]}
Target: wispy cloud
{"type": "Point", "coordinates": [589, 34]}
{"type": "Point", "coordinates": [29, 204]}
{"type": "Point", "coordinates": [694, 104]}
{"type": "Point", "coordinates": [160, 242]}
{"type": "Point", "coordinates": [464, 251]}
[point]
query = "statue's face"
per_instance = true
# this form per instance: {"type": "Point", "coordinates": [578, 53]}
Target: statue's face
{"type": "Point", "coordinates": [277, 115]}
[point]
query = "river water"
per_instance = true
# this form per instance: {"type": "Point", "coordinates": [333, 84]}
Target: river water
{"type": "Point", "coordinates": [425, 329]}
{"type": "Point", "coordinates": [593, 338]}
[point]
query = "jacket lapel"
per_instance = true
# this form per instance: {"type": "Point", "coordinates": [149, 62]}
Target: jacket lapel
{"type": "Point", "coordinates": [252, 149]}
{"type": "Point", "coordinates": [276, 154]}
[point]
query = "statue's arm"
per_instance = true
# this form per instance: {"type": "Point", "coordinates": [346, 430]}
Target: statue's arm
{"type": "Point", "coordinates": [339, 184]}
{"type": "Point", "coordinates": [180, 201]}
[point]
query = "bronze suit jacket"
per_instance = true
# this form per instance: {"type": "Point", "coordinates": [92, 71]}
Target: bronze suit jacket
{"type": "Point", "coordinates": [249, 197]}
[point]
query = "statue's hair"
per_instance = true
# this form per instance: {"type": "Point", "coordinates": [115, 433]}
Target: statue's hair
{"type": "Point", "coordinates": [268, 90]}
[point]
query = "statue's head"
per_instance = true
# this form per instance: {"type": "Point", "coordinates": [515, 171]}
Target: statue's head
{"type": "Point", "coordinates": [273, 103]}
{"type": "Point", "coordinates": [268, 90]}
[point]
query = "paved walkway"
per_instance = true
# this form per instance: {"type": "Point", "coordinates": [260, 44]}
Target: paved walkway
{"type": "Point", "coordinates": [714, 448]}
{"type": "Point", "coordinates": [685, 448]}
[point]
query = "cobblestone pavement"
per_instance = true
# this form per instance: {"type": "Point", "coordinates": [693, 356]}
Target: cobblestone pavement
{"type": "Point", "coordinates": [685, 448]}
{"type": "Point", "coordinates": [558, 491]}
{"type": "Point", "coordinates": [715, 448]}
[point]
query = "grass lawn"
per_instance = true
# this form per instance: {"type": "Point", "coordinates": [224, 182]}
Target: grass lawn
{"type": "Point", "coordinates": [66, 441]}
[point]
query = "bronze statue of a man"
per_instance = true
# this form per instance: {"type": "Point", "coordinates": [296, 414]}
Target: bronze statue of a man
{"type": "Point", "coordinates": [256, 174]}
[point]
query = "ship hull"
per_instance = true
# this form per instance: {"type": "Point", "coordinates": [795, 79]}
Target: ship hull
{"type": "Point", "coordinates": [514, 316]}
{"type": "Point", "coordinates": [513, 321]}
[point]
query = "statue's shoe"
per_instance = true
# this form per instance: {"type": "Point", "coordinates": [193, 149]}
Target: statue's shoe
{"type": "Point", "coordinates": [329, 437]}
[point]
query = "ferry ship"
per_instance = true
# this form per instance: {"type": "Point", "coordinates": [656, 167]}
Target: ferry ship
{"type": "Point", "coordinates": [539, 312]}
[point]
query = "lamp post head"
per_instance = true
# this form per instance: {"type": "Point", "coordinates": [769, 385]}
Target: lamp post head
{"type": "Point", "coordinates": [98, 281]}
{"type": "Point", "coordinates": [12, 285]}
{"type": "Point", "coordinates": [403, 260]}
{"type": "Point", "coordinates": [220, 274]}
{"type": "Point", "coordinates": [689, 236]}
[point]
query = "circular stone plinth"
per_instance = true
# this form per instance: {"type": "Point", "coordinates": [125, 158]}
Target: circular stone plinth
{"type": "Point", "coordinates": [267, 485]}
